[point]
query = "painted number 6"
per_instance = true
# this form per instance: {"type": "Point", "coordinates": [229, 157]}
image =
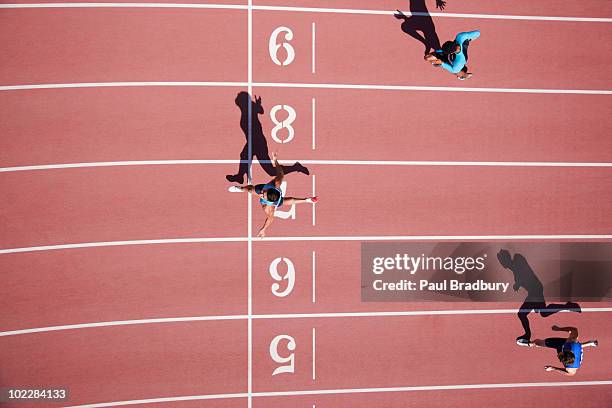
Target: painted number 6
{"type": "Point", "coordinates": [289, 277]}
{"type": "Point", "coordinates": [287, 368]}
{"type": "Point", "coordinates": [273, 46]}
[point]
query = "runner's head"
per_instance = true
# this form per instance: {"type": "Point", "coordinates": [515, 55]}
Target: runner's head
{"type": "Point", "coordinates": [566, 357]}
{"type": "Point", "coordinates": [272, 195]}
{"type": "Point", "coordinates": [450, 47]}
{"type": "Point", "coordinates": [504, 258]}
{"type": "Point", "coordinates": [242, 99]}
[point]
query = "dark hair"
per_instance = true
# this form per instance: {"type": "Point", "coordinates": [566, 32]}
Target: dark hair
{"type": "Point", "coordinates": [449, 47]}
{"type": "Point", "coordinates": [567, 357]}
{"type": "Point", "coordinates": [272, 195]}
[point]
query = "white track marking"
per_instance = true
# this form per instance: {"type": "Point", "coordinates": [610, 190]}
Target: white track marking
{"type": "Point", "coordinates": [314, 122]}
{"type": "Point", "coordinates": [377, 87]}
{"type": "Point", "coordinates": [123, 323]}
{"type": "Point", "coordinates": [320, 162]}
{"type": "Point", "coordinates": [122, 243]}
{"type": "Point", "coordinates": [314, 205]}
{"type": "Point", "coordinates": [158, 400]}
{"type": "Point", "coordinates": [117, 84]}
{"type": "Point", "coordinates": [314, 276]}
{"type": "Point", "coordinates": [310, 238]}
{"type": "Point", "coordinates": [314, 351]}
{"type": "Point", "coordinates": [329, 315]}
{"type": "Point", "coordinates": [313, 47]}
{"type": "Point", "coordinates": [352, 391]}
{"type": "Point", "coordinates": [306, 10]}
{"type": "Point", "coordinates": [250, 208]}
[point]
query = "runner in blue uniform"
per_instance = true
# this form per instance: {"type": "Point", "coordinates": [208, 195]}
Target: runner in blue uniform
{"type": "Point", "coordinates": [453, 55]}
{"type": "Point", "coordinates": [569, 351]}
{"type": "Point", "coordinates": [271, 196]}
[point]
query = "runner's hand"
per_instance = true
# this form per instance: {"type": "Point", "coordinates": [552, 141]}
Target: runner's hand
{"type": "Point", "coordinates": [274, 156]}
{"type": "Point", "coordinates": [262, 233]}
{"type": "Point", "coordinates": [555, 327]}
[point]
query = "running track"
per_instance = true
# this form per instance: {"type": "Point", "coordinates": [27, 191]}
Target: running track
{"type": "Point", "coordinates": [131, 276]}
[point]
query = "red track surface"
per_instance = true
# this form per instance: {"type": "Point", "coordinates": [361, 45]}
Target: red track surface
{"type": "Point", "coordinates": [176, 359]}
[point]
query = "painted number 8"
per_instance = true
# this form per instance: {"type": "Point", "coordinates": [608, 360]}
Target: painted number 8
{"type": "Point", "coordinates": [289, 277]}
{"type": "Point", "coordinates": [273, 46]}
{"type": "Point", "coordinates": [283, 124]}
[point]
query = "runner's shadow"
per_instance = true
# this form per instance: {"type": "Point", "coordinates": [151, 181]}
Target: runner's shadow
{"type": "Point", "coordinates": [525, 277]}
{"type": "Point", "coordinates": [258, 140]}
{"type": "Point", "coordinates": [420, 26]}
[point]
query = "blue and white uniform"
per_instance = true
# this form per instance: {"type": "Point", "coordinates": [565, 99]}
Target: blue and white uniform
{"type": "Point", "coordinates": [460, 58]}
{"type": "Point", "coordinates": [259, 188]}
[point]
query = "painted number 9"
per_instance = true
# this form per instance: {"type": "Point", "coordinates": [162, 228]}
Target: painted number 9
{"type": "Point", "coordinates": [286, 368]}
{"type": "Point", "coordinates": [283, 124]}
{"type": "Point", "coordinates": [273, 46]}
{"type": "Point", "coordinates": [289, 276]}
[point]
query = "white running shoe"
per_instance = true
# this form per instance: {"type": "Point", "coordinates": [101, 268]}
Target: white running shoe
{"type": "Point", "coordinates": [312, 200]}
{"type": "Point", "coordinates": [523, 343]}
{"type": "Point", "coordinates": [234, 189]}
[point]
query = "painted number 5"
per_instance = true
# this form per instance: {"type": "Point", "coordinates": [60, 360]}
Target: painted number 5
{"type": "Point", "coordinates": [289, 277]}
{"type": "Point", "coordinates": [287, 368]}
{"type": "Point", "coordinates": [273, 46]}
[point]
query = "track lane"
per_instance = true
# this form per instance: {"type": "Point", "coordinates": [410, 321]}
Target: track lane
{"type": "Point", "coordinates": [136, 362]}
{"type": "Point", "coordinates": [89, 205]}
{"type": "Point", "coordinates": [115, 124]}
{"type": "Point", "coordinates": [415, 351]}
{"type": "Point", "coordinates": [80, 45]}
{"type": "Point", "coordinates": [122, 283]}
{"type": "Point", "coordinates": [447, 201]}
{"type": "Point", "coordinates": [349, 51]}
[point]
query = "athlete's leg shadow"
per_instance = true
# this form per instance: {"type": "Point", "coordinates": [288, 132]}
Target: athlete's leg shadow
{"type": "Point", "coordinates": [420, 26]}
{"type": "Point", "coordinates": [525, 277]}
{"type": "Point", "coordinates": [259, 145]}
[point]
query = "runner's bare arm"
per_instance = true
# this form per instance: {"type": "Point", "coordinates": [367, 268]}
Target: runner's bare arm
{"type": "Point", "coordinates": [269, 218]}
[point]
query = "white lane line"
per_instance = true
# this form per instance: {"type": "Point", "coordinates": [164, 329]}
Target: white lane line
{"type": "Point", "coordinates": [353, 391]}
{"type": "Point", "coordinates": [117, 84]}
{"type": "Point", "coordinates": [314, 277]}
{"type": "Point", "coordinates": [122, 243]}
{"type": "Point", "coordinates": [304, 9]}
{"type": "Point", "coordinates": [314, 205]}
{"type": "Point", "coordinates": [125, 5]}
{"type": "Point", "coordinates": [313, 46]}
{"type": "Point", "coordinates": [315, 162]}
{"type": "Point", "coordinates": [329, 315]}
{"type": "Point", "coordinates": [314, 122]}
{"type": "Point", "coordinates": [377, 87]}
{"type": "Point", "coordinates": [433, 88]}
{"type": "Point", "coordinates": [311, 238]}
{"type": "Point", "coordinates": [158, 400]}
{"type": "Point", "coordinates": [314, 351]}
{"type": "Point", "coordinates": [122, 323]}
